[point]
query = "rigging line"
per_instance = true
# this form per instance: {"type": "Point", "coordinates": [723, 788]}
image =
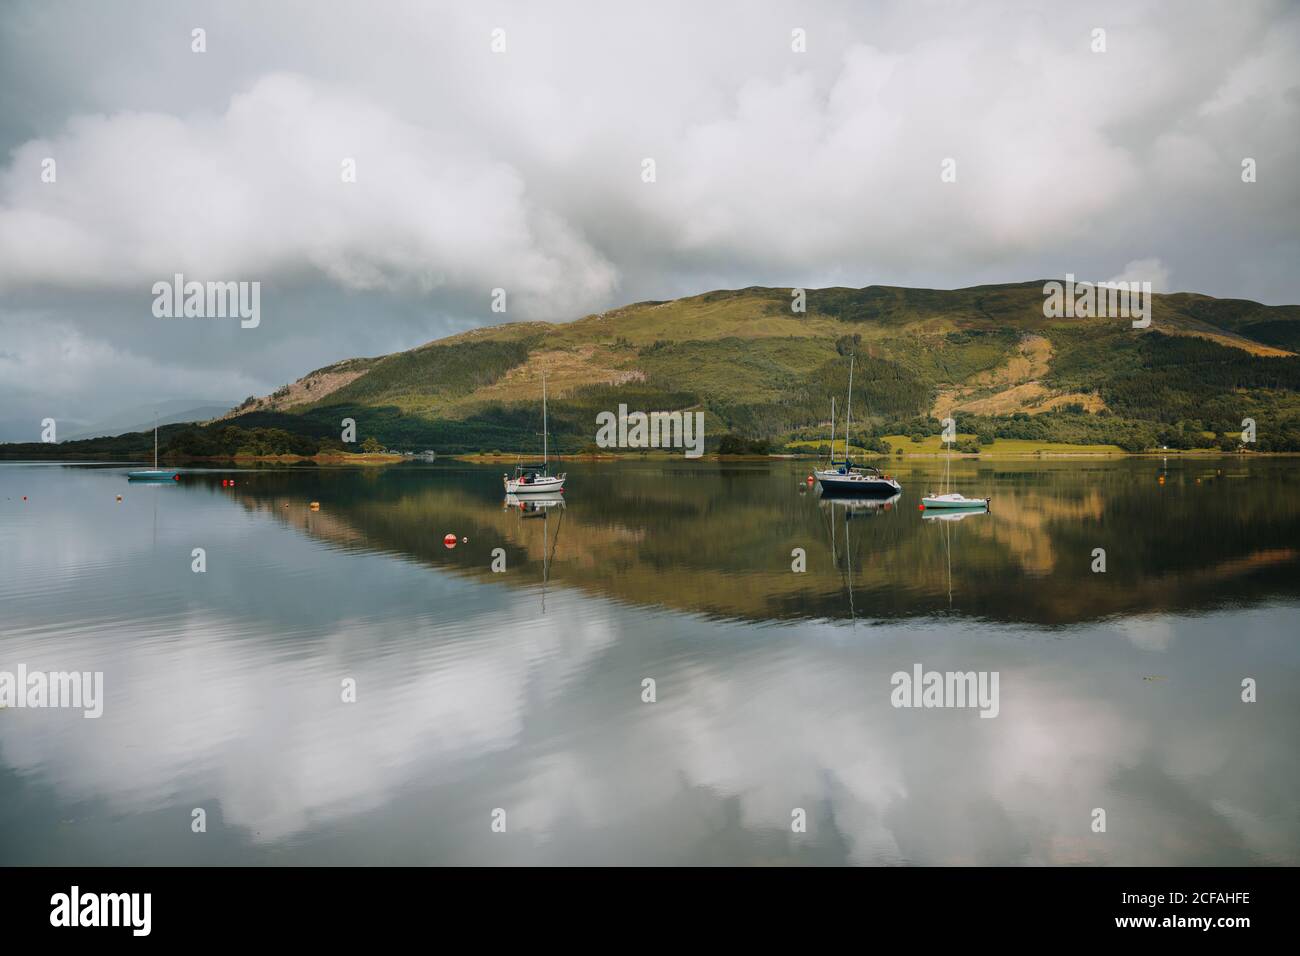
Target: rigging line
{"type": "Point", "coordinates": [835, 554]}
{"type": "Point", "coordinates": [948, 535]}
{"type": "Point", "coordinates": [848, 551]}
{"type": "Point", "coordinates": [556, 540]}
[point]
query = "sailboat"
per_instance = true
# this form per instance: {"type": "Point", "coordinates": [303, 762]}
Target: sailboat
{"type": "Point", "coordinates": [536, 479]}
{"type": "Point", "coordinates": [846, 478]}
{"type": "Point", "coordinates": [950, 498]}
{"type": "Point", "coordinates": [154, 474]}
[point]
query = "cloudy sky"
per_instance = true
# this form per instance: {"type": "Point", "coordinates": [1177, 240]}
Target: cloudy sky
{"type": "Point", "coordinates": [522, 168]}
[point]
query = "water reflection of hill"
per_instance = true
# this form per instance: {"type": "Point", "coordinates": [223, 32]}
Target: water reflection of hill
{"type": "Point", "coordinates": [719, 540]}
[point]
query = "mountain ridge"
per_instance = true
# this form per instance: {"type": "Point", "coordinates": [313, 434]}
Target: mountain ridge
{"type": "Point", "coordinates": [986, 355]}
{"type": "Point", "coordinates": [754, 364]}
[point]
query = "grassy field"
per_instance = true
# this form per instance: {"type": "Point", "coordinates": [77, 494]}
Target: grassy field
{"type": "Point", "coordinates": [1002, 446]}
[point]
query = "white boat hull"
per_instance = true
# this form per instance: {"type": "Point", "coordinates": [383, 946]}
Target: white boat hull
{"type": "Point", "coordinates": [954, 501]}
{"type": "Point", "coordinates": [538, 486]}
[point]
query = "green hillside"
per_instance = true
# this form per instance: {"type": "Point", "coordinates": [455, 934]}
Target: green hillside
{"type": "Point", "coordinates": [986, 356]}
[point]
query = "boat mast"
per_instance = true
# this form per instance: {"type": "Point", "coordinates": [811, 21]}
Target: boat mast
{"type": "Point", "coordinates": [848, 409]}
{"type": "Point", "coordinates": [947, 467]}
{"type": "Point", "coordinates": [155, 440]}
{"type": "Point", "coordinates": [832, 431]}
{"type": "Point", "coordinates": [544, 420]}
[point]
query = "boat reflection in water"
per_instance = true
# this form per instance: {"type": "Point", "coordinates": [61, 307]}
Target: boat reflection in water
{"type": "Point", "coordinates": [533, 506]}
{"type": "Point", "coordinates": [856, 506]}
{"type": "Point", "coordinates": [838, 507]}
{"type": "Point", "coordinates": [537, 506]}
{"type": "Point", "coordinates": [949, 517]}
{"type": "Point", "coordinates": [954, 514]}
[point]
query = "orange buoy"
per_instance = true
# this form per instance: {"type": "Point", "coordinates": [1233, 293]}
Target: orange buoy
{"type": "Point", "coordinates": [811, 479]}
{"type": "Point", "coordinates": [449, 540]}
{"type": "Point", "coordinates": [921, 507]}
{"type": "Point", "coordinates": [315, 506]}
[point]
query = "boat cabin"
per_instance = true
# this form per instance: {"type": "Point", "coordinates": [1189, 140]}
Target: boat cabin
{"type": "Point", "coordinates": [847, 467]}
{"type": "Point", "coordinates": [527, 474]}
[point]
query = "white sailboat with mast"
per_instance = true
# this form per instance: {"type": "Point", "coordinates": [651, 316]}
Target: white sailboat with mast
{"type": "Point", "coordinates": [949, 498]}
{"type": "Point", "coordinates": [536, 479]}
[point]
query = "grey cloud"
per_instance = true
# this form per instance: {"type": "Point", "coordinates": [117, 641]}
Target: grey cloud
{"type": "Point", "coordinates": [521, 170]}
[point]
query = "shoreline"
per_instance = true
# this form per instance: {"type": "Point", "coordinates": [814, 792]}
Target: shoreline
{"type": "Point", "coordinates": [325, 459]}
{"type": "Point", "coordinates": [655, 455]}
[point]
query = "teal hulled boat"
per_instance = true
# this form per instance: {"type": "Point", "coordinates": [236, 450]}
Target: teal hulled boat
{"type": "Point", "coordinates": [951, 499]}
{"type": "Point", "coordinates": [155, 473]}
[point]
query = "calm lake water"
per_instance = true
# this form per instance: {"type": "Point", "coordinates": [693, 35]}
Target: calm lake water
{"type": "Point", "coordinates": [522, 690]}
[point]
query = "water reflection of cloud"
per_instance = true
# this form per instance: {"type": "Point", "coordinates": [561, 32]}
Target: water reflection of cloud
{"type": "Point", "coordinates": [260, 727]}
{"type": "Point", "coordinates": [464, 686]}
{"type": "Point", "coordinates": [1147, 633]}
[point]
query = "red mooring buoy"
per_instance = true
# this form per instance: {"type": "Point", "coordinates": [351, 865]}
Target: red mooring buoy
{"type": "Point", "coordinates": [449, 540]}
